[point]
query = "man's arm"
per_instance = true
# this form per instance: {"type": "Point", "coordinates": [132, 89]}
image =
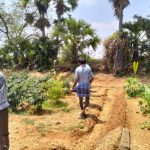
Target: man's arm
{"type": "Point", "coordinates": [76, 80]}
{"type": "Point", "coordinates": [92, 79]}
{"type": "Point", "coordinates": [91, 76]}
{"type": "Point", "coordinates": [75, 83]}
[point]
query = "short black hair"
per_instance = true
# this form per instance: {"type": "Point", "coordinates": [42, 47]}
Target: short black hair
{"type": "Point", "coordinates": [82, 60]}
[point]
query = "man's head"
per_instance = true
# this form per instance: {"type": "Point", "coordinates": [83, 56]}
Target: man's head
{"type": "Point", "coordinates": [82, 60]}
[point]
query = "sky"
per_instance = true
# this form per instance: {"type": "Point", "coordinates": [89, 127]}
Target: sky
{"type": "Point", "coordinates": [99, 13]}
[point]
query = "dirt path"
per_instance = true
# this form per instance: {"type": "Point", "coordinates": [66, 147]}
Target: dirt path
{"type": "Point", "coordinates": [139, 138]}
{"type": "Point", "coordinates": [60, 130]}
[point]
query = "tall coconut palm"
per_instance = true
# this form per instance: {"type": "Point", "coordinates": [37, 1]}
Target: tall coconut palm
{"type": "Point", "coordinates": [119, 6]}
{"type": "Point", "coordinates": [75, 36]}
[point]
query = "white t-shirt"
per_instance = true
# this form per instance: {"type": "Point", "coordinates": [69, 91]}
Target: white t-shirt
{"type": "Point", "coordinates": [3, 92]}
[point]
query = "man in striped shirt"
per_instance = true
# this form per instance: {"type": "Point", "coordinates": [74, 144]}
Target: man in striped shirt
{"type": "Point", "coordinates": [4, 139]}
{"type": "Point", "coordinates": [83, 78]}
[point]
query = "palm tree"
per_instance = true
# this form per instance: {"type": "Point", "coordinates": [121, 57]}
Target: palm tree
{"type": "Point", "coordinates": [75, 36]}
{"type": "Point", "coordinates": [38, 17]}
{"type": "Point", "coordinates": [119, 60]}
{"type": "Point", "coordinates": [61, 7]}
{"type": "Point", "coordinates": [119, 6]}
{"type": "Point", "coordinates": [138, 31]}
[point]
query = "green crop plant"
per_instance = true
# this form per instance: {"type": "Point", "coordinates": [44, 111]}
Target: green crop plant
{"type": "Point", "coordinates": [133, 87]}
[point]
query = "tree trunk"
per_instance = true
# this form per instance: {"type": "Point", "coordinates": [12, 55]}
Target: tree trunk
{"type": "Point", "coordinates": [121, 16]}
{"type": "Point", "coordinates": [57, 38]}
{"type": "Point", "coordinates": [119, 59]}
{"type": "Point", "coordinates": [43, 30]}
{"type": "Point", "coordinates": [135, 52]}
{"type": "Point", "coordinates": [16, 60]}
{"type": "Point", "coordinates": [74, 55]}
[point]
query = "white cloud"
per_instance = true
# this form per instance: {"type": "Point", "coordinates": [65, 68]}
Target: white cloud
{"type": "Point", "coordinates": [105, 25]}
{"type": "Point", "coordinates": [105, 29]}
{"type": "Point", "coordinates": [98, 53]}
{"type": "Point", "coordinates": [88, 2]}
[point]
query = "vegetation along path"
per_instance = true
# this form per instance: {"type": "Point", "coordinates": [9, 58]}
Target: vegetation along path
{"type": "Point", "coordinates": [108, 113]}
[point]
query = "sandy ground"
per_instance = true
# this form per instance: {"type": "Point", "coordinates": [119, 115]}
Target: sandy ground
{"type": "Point", "coordinates": [108, 112]}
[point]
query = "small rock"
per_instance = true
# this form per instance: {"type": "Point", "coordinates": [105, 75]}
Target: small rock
{"type": "Point", "coordinates": [58, 123]}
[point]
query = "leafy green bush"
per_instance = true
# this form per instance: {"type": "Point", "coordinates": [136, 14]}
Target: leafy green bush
{"type": "Point", "coordinates": [27, 94]}
{"type": "Point", "coordinates": [24, 92]}
{"type": "Point", "coordinates": [133, 87]}
{"type": "Point", "coordinates": [15, 90]}
{"type": "Point", "coordinates": [145, 101]}
{"type": "Point", "coordinates": [54, 90]}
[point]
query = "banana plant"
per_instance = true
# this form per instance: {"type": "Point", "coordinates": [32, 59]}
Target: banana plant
{"type": "Point", "coordinates": [135, 67]}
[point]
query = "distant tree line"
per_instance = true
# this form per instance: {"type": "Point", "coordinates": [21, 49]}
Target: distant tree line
{"type": "Point", "coordinates": [37, 33]}
{"type": "Point", "coordinates": [34, 33]}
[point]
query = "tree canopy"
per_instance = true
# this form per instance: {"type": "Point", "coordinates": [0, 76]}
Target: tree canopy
{"type": "Point", "coordinates": [75, 36]}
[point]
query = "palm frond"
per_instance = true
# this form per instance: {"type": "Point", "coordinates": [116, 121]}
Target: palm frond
{"type": "Point", "coordinates": [41, 23]}
{"type": "Point", "coordinates": [42, 5]}
{"type": "Point", "coordinates": [29, 18]}
{"type": "Point", "coordinates": [116, 6]}
{"type": "Point", "coordinates": [60, 7]}
{"type": "Point", "coordinates": [73, 3]}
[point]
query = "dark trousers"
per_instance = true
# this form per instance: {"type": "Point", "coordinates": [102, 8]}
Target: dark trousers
{"type": "Point", "coordinates": [4, 134]}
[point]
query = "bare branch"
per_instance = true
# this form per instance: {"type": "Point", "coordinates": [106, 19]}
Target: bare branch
{"type": "Point", "coordinates": [21, 29]}
{"type": "Point", "coordinates": [5, 25]}
{"type": "Point", "coordinates": [3, 31]}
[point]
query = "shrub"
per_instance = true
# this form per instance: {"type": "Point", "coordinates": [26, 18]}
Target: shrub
{"type": "Point", "coordinates": [15, 90]}
{"type": "Point", "coordinates": [54, 90]}
{"type": "Point", "coordinates": [145, 101]}
{"type": "Point", "coordinates": [133, 87]}
{"type": "Point", "coordinates": [25, 92]}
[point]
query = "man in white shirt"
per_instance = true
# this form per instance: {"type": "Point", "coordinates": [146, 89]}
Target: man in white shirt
{"type": "Point", "coordinates": [4, 134]}
{"type": "Point", "coordinates": [83, 78]}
